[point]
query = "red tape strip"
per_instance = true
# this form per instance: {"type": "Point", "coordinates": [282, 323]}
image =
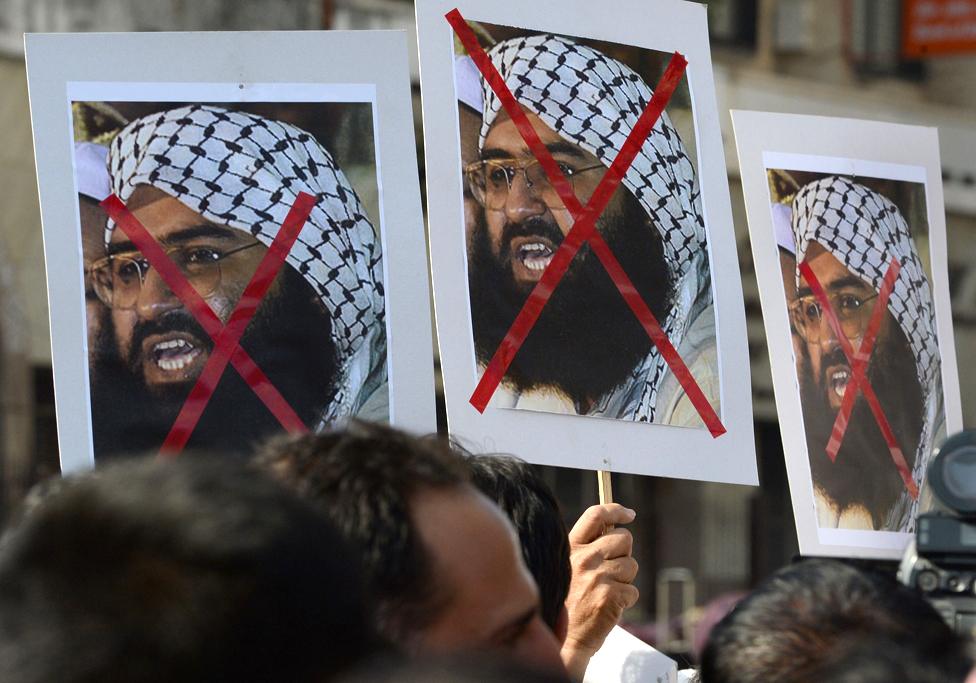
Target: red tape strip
{"type": "Point", "coordinates": [226, 338]}
{"type": "Point", "coordinates": [230, 336]}
{"type": "Point", "coordinates": [859, 363]}
{"type": "Point", "coordinates": [862, 356]}
{"type": "Point", "coordinates": [583, 230]}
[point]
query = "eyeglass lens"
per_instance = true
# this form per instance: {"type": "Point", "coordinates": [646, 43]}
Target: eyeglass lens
{"type": "Point", "coordinates": [118, 280]}
{"type": "Point", "coordinates": [812, 323]}
{"type": "Point", "coordinates": [491, 182]}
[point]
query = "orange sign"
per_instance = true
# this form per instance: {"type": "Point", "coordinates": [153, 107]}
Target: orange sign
{"type": "Point", "coordinates": [938, 27]}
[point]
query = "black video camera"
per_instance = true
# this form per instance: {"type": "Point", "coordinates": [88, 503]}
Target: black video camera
{"type": "Point", "coordinates": [941, 561]}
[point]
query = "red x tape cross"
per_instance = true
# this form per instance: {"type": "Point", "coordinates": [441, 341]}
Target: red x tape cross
{"type": "Point", "coordinates": [226, 337]}
{"type": "Point", "coordinates": [859, 364]}
{"type": "Point", "coordinates": [583, 231]}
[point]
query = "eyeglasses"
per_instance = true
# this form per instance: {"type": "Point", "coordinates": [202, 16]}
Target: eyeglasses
{"type": "Point", "coordinates": [118, 279]}
{"type": "Point", "coordinates": [491, 179]}
{"type": "Point", "coordinates": [853, 315]}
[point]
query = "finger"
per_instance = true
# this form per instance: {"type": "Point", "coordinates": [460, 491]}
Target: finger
{"type": "Point", "coordinates": [616, 543]}
{"type": "Point", "coordinates": [627, 594]}
{"type": "Point", "coordinates": [621, 569]}
{"type": "Point", "coordinates": [595, 519]}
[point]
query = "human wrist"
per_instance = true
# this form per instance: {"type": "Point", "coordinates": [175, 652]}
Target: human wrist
{"type": "Point", "coordinates": [576, 657]}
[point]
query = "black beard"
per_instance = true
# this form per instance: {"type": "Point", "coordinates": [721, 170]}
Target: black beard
{"type": "Point", "coordinates": [864, 472]}
{"type": "Point", "coordinates": [289, 338]}
{"type": "Point", "coordinates": [587, 341]}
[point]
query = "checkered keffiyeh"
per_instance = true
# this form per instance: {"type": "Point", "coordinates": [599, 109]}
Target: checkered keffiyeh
{"type": "Point", "coordinates": [245, 171]}
{"type": "Point", "coordinates": [594, 102]}
{"type": "Point", "coordinates": [864, 231]}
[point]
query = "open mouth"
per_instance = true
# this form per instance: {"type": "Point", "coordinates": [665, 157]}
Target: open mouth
{"type": "Point", "coordinates": [838, 378]}
{"type": "Point", "coordinates": [173, 357]}
{"type": "Point", "coordinates": [175, 354]}
{"type": "Point", "coordinates": [530, 256]}
{"type": "Point", "coordinates": [535, 255]}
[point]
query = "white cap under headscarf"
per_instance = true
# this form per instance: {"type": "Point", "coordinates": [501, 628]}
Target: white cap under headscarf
{"type": "Point", "coordinates": [91, 176]}
{"type": "Point", "coordinates": [245, 171]}
{"type": "Point", "coordinates": [594, 102]}
{"type": "Point", "coordinates": [864, 231]}
{"type": "Point", "coordinates": [467, 81]}
{"type": "Point", "coordinates": [783, 227]}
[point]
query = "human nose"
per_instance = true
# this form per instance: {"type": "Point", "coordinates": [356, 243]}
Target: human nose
{"type": "Point", "coordinates": [155, 297]}
{"type": "Point", "coordinates": [828, 336]}
{"type": "Point", "coordinates": [524, 198]}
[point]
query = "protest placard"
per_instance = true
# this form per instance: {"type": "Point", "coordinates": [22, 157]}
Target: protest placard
{"type": "Point", "coordinates": [585, 278]}
{"type": "Point", "coordinates": [232, 233]}
{"type": "Point", "coordinates": [848, 237]}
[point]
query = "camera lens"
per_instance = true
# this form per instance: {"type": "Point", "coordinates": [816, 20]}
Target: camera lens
{"type": "Point", "coordinates": [928, 581]}
{"type": "Point", "coordinates": [952, 473]}
{"type": "Point", "coordinates": [957, 583]}
{"type": "Point", "coordinates": [960, 472]}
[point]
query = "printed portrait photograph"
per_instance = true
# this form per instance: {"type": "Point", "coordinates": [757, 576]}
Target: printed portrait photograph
{"type": "Point", "coordinates": [867, 462]}
{"type": "Point", "coordinates": [587, 354]}
{"type": "Point", "coordinates": [212, 184]}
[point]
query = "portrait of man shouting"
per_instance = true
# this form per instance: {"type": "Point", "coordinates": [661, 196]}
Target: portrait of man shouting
{"type": "Point", "coordinates": [848, 235]}
{"type": "Point", "coordinates": [587, 354]}
{"type": "Point", "coordinates": [213, 186]}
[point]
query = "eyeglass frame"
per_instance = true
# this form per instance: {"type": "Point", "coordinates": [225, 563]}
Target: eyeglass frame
{"type": "Point", "coordinates": [795, 305]}
{"type": "Point", "coordinates": [143, 264]}
{"type": "Point", "coordinates": [510, 167]}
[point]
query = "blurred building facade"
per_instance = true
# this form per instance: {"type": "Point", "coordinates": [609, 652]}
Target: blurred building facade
{"type": "Point", "coordinates": [830, 57]}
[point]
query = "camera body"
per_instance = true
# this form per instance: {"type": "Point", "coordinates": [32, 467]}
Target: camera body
{"type": "Point", "coordinates": [941, 561]}
{"type": "Point", "coordinates": [941, 564]}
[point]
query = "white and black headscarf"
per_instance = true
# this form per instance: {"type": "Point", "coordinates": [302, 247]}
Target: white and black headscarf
{"type": "Point", "coordinates": [864, 231]}
{"type": "Point", "coordinates": [245, 171]}
{"type": "Point", "coordinates": [594, 102]}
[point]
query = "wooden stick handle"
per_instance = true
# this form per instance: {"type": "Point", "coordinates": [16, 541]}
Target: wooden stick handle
{"type": "Point", "coordinates": [606, 487]}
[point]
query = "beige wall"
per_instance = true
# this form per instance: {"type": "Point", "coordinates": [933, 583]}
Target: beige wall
{"type": "Point", "coordinates": [24, 312]}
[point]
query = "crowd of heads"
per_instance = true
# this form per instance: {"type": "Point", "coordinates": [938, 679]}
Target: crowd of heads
{"type": "Point", "coordinates": [367, 554]}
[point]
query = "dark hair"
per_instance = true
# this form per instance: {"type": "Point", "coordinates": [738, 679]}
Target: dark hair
{"type": "Point", "coordinates": [534, 510]}
{"type": "Point", "coordinates": [882, 660]}
{"type": "Point", "coordinates": [467, 667]}
{"type": "Point", "coordinates": [364, 478]}
{"type": "Point", "coordinates": [194, 570]}
{"type": "Point", "coordinates": [791, 626]}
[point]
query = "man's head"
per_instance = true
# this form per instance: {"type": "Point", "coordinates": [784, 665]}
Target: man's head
{"type": "Point", "coordinates": [193, 570]}
{"type": "Point", "coordinates": [848, 235]}
{"type": "Point", "coordinates": [804, 615]}
{"type": "Point", "coordinates": [883, 660]}
{"type": "Point", "coordinates": [583, 105]}
{"type": "Point", "coordinates": [441, 561]}
{"type": "Point", "coordinates": [463, 667]}
{"type": "Point", "coordinates": [534, 510]}
{"type": "Point", "coordinates": [213, 187]}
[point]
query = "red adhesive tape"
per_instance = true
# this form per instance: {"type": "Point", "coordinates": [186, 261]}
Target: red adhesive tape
{"type": "Point", "coordinates": [226, 338]}
{"type": "Point", "coordinates": [861, 384]}
{"type": "Point", "coordinates": [583, 230]}
{"type": "Point", "coordinates": [229, 338]}
{"type": "Point", "coordinates": [862, 358]}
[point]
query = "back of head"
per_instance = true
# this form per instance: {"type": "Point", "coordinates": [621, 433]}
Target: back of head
{"type": "Point", "coordinates": [534, 510]}
{"type": "Point", "coordinates": [192, 570]}
{"type": "Point", "coordinates": [467, 668]}
{"type": "Point", "coordinates": [882, 660]}
{"type": "Point", "coordinates": [364, 477]}
{"type": "Point", "coordinates": [792, 625]}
